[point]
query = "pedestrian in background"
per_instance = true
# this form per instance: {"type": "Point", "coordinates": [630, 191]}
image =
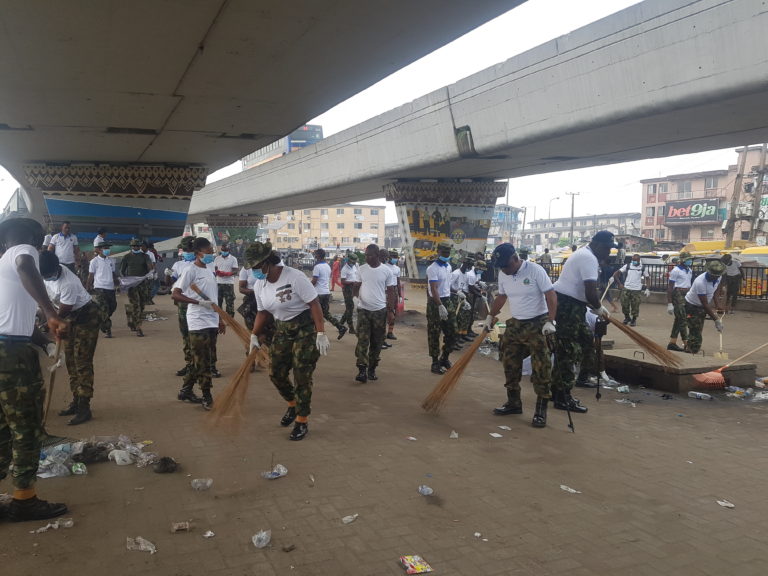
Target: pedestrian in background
{"type": "Point", "coordinates": [321, 279]}
{"type": "Point", "coordinates": [680, 279]}
{"type": "Point", "coordinates": [64, 244]}
{"type": "Point", "coordinates": [349, 277]}
{"type": "Point", "coordinates": [102, 282]}
{"type": "Point", "coordinates": [631, 279]}
{"type": "Point", "coordinates": [187, 247]}
{"type": "Point", "coordinates": [138, 265]}
{"type": "Point", "coordinates": [733, 279]}
{"type": "Point", "coordinates": [225, 268]}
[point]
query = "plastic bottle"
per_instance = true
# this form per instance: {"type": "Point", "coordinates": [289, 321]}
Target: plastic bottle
{"type": "Point", "coordinates": [202, 483]}
{"type": "Point", "coordinates": [425, 490]}
{"type": "Point", "coordinates": [699, 395]}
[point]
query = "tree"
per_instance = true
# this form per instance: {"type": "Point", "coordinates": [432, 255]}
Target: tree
{"type": "Point", "coordinates": [563, 242]}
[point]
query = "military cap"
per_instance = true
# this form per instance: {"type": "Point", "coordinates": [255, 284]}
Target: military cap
{"type": "Point", "coordinates": [187, 243]}
{"type": "Point", "coordinates": [352, 256]}
{"type": "Point", "coordinates": [684, 255]}
{"type": "Point", "coordinates": [481, 265]}
{"type": "Point", "coordinates": [445, 245]}
{"type": "Point", "coordinates": [135, 242]}
{"type": "Point", "coordinates": [393, 253]}
{"type": "Point", "coordinates": [256, 253]}
{"type": "Point", "coordinates": [715, 267]}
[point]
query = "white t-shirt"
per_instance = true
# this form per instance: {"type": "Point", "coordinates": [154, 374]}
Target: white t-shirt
{"type": "Point", "coordinates": [442, 275]}
{"type": "Point", "coordinates": [199, 317]}
{"type": "Point", "coordinates": [580, 267]}
{"type": "Point", "coordinates": [459, 280]}
{"type": "Point", "coordinates": [245, 275]}
{"type": "Point", "coordinates": [373, 289]}
{"type": "Point", "coordinates": [701, 287]}
{"type": "Point", "coordinates": [226, 263]}
{"type": "Point", "coordinates": [395, 273]}
{"type": "Point", "coordinates": [286, 298]}
{"type": "Point", "coordinates": [633, 275]}
{"type": "Point", "coordinates": [734, 268]}
{"type": "Point", "coordinates": [322, 271]}
{"type": "Point", "coordinates": [102, 270]}
{"type": "Point", "coordinates": [350, 273]}
{"type": "Point", "coordinates": [17, 307]}
{"type": "Point", "coordinates": [471, 277]}
{"type": "Point", "coordinates": [151, 256]}
{"type": "Point", "coordinates": [681, 277]}
{"type": "Point", "coordinates": [67, 289]}
{"type": "Point", "coordinates": [178, 268]}
{"type": "Point", "coordinates": [525, 290]}
{"type": "Point", "coordinates": [64, 247]}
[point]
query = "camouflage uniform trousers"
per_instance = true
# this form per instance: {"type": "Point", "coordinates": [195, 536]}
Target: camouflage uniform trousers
{"type": "Point", "coordinates": [181, 308]}
{"type": "Point", "coordinates": [21, 412]}
{"type": "Point", "coordinates": [349, 305]}
{"type": "Point", "coordinates": [680, 325]}
{"type": "Point", "coordinates": [227, 295]}
{"type": "Point", "coordinates": [695, 316]}
{"type": "Point", "coordinates": [248, 310]}
{"type": "Point", "coordinates": [201, 345]}
{"type": "Point", "coordinates": [630, 303]}
{"type": "Point", "coordinates": [134, 310]}
{"type": "Point", "coordinates": [575, 343]}
{"type": "Point", "coordinates": [435, 326]}
{"type": "Point", "coordinates": [79, 348]}
{"type": "Point", "coordinates": [524, 338]}
{"type": "Point", "coordinates": [371, 330]}
{"type": "Point", "coordinates": [106, 300]}
{"type": "Point", "coordinates": [293, 348]}
{"type": "Point", "coordinates": [325, 302]}
{"type": "Point", "coordinates": [732, 287]}
{"type": "Point", "coordinates": [462, 316]}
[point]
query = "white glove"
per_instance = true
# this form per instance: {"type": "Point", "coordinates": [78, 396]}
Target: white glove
{"type": "Point", "coordinates": [322, 343]}
{"type": "Point", "coordinates": [647, 293]}
{"type": "Point", "coordinates": [443, 313]}
{"type": "Point", "coordinates": [466, 305]}
{"type": "Point", "coordinates": [461, 295]}
{"type": "Point", "coordinates": [50, 349]}
{"type": "Point", "coordinates": [154, 275]}
{"type": "Point", "coordinates": [489, 322]}
{"type": "Point", "coordinates": [548, 328]}
{"type": "Point", "coordinates": [206, 304]}
{"type": "Point", "coordinates": [719, 325]}
{"type": "Point", "coordinates": [168, 272]}
{"type": "Point", "coordinates": [602, 312]}
{"type": "Point", "coordinates": [254, 343]}
{"type": "Point", "coordinates": [356, 302]}
{"type": "Point", "coordinates": [482, 285]}
{"type": "Point", "coordinates": [671, 309]}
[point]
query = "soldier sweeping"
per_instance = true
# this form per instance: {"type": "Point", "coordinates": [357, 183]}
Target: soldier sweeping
{"type": "Point", "coordinates": [705, 292]}
{"type": "Point", "coordinates": [136, 263]}
{"type": "Point", "coordinates": [532, 307]}
{"type": "Point", "coordinates": [103, 282]}
{"type": "Point", "coordinates": [441, 313]}
{"type": "Point", "coordinates": [677, 287]}
{"type": "Point", "coordinates": [225, 266]}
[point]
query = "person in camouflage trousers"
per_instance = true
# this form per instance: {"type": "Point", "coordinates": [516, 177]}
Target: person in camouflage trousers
{"type": "Point", "coordinates": [704, 299]}
{"type": "Point", "coordinates": [436, 326]}
{"type": "Point", "coordinates": [441, 311]}
{"type": "Point", "coordinates": [349, 278]}
{"type": "Point", "coordinates": [201, 347]}
{"type": "Point", "coordinates": [371, 329]}
{"type": "Point", "coordinates": [106, 300]}
{"type": "Point", "coordinates": [575, 342]}
{"type": "Point", "coordinates": [79, 350]}
{"type": "Point", "coordinates": [293, 348]}
{"type": "Point", "coordinates": [136, 263]}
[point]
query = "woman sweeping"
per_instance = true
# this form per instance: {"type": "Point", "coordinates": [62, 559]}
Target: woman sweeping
{"type": "Point", "coordinates": [287, 295]}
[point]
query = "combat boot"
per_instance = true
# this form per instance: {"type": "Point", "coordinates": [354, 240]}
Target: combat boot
{"type": "Point", "coordinates": [342, 331]}
{"type": "Point", "coordinates": [183, 371]}
{"type": "Point", "coordinates": [436, 368]}
{"type": "Point", "coordinates": [540, 415]}
{"type": "Point", "coordinates": [70, 410]}
{"type": "Point", "coordinates": [83, 412]}
{"type": "Point", "coordinates": [188, 395]}
{"type": "Point", "coordinates": [34, 509]}
{"type": "Point", "coordinates": [562, 400]}
{"type": "Point", "coordinates": [207, 400]}
{"type": "Point", "coordinates": [445, 363]}
{"type": "Point", "coordinates": [513, 405]}
{"type": "Point", "coordinates": [300, 429]}
{"type": "Point", "coordinates": [362, 375]}
{"type": "Point", "coordinates": [289, 416]}
{"type": "Point", "coordinates": [372, 373]}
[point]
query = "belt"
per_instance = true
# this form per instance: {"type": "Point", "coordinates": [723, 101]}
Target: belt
{"type": "Point", "coordinates": [303, 318]}
{"type": "Point", "coordinates": [528, 320]}
{"type": "Point", "coordinates": [14, 339]}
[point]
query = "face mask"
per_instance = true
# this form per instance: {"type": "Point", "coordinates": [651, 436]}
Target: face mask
{"type": "Point", "coordinates": [258, 274]}
{"type": "Point", "coordinates": [393, 260]}
{"type": "Point", "coordinates": [225, 254]}
{"type": "Point", "coordinates": [444, 258]}
{"type": "Point", "coordinates": [188, 256]}
{"type": "Point", "coordinates": [105, 251]}
{"type": "Point", "coordinates": [208, 258]}
{"type": "Point", "coordinates": [636, 262]}
{"type": "Point", "coordinates": [688, 262]}
{"type": "Point", "coordinates": [137, 251]}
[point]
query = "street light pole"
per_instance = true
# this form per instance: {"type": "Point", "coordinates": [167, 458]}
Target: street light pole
{"type": "Point", "coordinates": [549, 213]}
{"type": "Point", "coordinates": [573, 199]}
{"type": "Point", "coordinates": [522, 231]}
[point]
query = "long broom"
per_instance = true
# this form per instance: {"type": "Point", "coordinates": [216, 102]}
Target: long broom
{"type": "Point", "coordinates": [227, 412]}
{"type": "Point", "coordinates": [664, 356]}
{"type": "Point", "coordinates": [714, 379]}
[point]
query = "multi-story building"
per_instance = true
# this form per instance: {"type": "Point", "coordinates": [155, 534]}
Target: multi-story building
{"type": "Point", "coordinates": [336, 227]}
{"type": "Point", "coordinates": [549, 233]}
{"type": "Point", "coordinates": [691, 207]}
{"type": "Point", "coordinates": [298, 139]}
{"type": "Point", "coordinates": [504, 224]}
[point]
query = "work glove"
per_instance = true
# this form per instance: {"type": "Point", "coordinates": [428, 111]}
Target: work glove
{"type": "Point", "coordinates": [671, 309]}
{"type": "Point", "coordinates": [168, 272]}
{"type": "Point", "coordinates": [206, 304]}
{"type": "Point", "coordinates": [647, 293]}
{"type": "Point", "coordinates": [461, 295]}
{"type": "Point", "coordinates": [489, 323]}
{"type": "Point", "coordinates": [356, 302]}
{"type": "Point", "coordinates": [482, 285]}
{"type": "Point", "coordinates": [443, 312]}
{"type": "Point", "coordinates": [322, 343]}
{"type": "Point", "coordinates": [602, 312]}
{"type": "Point", "coordinates": [548, 328]}
{"type": "Point", "coordinates": [254, 343]}
{"type": "Point", "coordinates": [50, 349]}
{"type": "Point", "coordinates": [466, 305]}
{"type": "Point", "coordinates": [719, 325]}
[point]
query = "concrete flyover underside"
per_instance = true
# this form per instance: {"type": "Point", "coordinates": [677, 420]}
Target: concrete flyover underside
{"type": "Point", "coordinates": [660, 78]}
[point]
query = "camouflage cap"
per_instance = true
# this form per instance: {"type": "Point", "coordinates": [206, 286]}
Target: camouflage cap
{"type": "Point", "coordinates": [715, 267]}
{"type": "Point", "coordinates": [352, 257]}
{"type": "Point", "coordinates": [135, 242]}
{"type": "Point", "coordinates": [481, 265]}
{"type": "Point", "coordinates": [187, 243]}
{"type": "Point", "coordinates": [684, 255]}
{"type": "Point", "coordinates": [256, 253]}
{"type": "Point", "coordinates": [445, 245]}
{"type": "Point", "coordinates": [393, 253]}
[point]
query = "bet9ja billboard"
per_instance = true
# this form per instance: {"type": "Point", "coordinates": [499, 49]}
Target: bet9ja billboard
{"type": "Point", "coordinates": [684, 211]}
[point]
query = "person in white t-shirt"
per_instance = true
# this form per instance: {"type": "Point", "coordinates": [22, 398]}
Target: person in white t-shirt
{"type": "Point", "coordinates": [384, 260]}
{"type": "Point", "coordinates": [526, 288]}
{"type": "Point", "coordinates": [102, 281]}
{"type": "Point", "coordinates": [66, 247]}
{"type": "Point", "coordinates": [321, 280]}
{"type": "Point", "coordinates": [679, 283]}
{"type": "Point", "coordinates": [441, 312]}
{"type": "Point", "coordinates": [226, 269]}
{"type": "Point", "coordinates": [100, 238]}
{"type": "Point", "coordinates": [632, 279]}
{"type": "Point", "coordinates": [349, 276]}
{"type": "Point", "coordinates": [459, 291]}
{"type": "Point", "coordinates": [75, 305]}
{"type": "Point", "coordinates": [375, 296]}
{"type": "Point", "coordinates": [187, 247]}
{"type": "Point", "coordinates": [702, 300]}
{"type": "Point", "coordinates": [731, 281]}
{"type": "Point", "coordinates": [204, 324]}
{"type": "Point", "coordinates": [22, 290]}
{"type": "Point", "coordinates": [394, 258]}
{"type": "Point", "coordinates": [287, 296]}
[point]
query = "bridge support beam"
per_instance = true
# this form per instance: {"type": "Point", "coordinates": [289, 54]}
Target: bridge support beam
{"type": "Point", "coordinates": [429, 212]}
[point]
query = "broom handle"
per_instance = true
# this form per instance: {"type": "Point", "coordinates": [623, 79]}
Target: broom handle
{"type": "Point", "coordinates": [744, 356]}
{"type": "Point", "coordinates": [610, 282]}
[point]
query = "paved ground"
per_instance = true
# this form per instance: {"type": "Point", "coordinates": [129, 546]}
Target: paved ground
{"type": "Point", "coordinates": [649, 476]}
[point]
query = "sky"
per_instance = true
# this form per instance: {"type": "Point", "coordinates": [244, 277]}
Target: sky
{"type": "Point", "coordinates": [604, 189]}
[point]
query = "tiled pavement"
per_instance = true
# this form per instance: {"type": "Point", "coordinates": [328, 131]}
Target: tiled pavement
{"type": "Point", "coordinates": [649, 476]}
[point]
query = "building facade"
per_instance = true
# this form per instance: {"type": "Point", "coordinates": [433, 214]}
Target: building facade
{"type": "Point", "coordinates": [684, 208]}
{"type": "Point", "coordinates": [554, 232]}
{"type": "Point", "coordinates": [393, 236]}
{"type": "Point", "coordinates": [505, 224]}
{"type": "Point", "coordinates": [336, 227]}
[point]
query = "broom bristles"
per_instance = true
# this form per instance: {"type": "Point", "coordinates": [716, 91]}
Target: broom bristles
{"type": "Point", "coordinates": [227, 411]}
{"type": "Point", "coordinates": [712, 379]}
{"type": "Point", "coordinates": [664, 356]}
{"type": "Point", "coordinates": [435, 399]}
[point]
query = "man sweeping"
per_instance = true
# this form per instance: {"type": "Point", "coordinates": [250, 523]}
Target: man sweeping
{"type": "Point", "coordinates": [705, 292]}
{"type": "Point", "coordinates": [677, 287]}
{"type": "Point", "coordinates": [441, 313]}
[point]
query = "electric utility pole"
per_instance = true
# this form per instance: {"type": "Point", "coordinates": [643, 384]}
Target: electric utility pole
{"type": "Point", "coordinates": [757, 188]}
{"type": "Point", "coordinates": [730, 224]}
{"type": "Point", "coordinates": [573, 199]}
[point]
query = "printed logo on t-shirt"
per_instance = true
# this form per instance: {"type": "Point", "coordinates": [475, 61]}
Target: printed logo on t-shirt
{"type": "Point", "coordinates": [527, 281]}
{"type": "Point", "coordinates": [284, 292]}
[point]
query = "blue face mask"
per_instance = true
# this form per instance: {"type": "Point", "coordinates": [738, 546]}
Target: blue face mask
{"type": "Point", "coordinates": [444, 258]}
{"type": "Point", "coordinates": [688, 262]}
{"type": "Point", "coordinates": [225, 254]}
{"type": "Point", "coordinates": [137, 251]}
{"type": "Point", "coordinates": [208, 258]}
{"type": "Point", "coordinates": [258, 274]}
{"type": "Point", "coordinates": [105, 251]}
{"type": "Point", "coordinates": [188, 256]}
{"type": "Point", "coordinates": [393, 260]}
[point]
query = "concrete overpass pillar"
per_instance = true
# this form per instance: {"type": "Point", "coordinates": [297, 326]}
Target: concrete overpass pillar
{"type": "Point", "coordinates": [429, 212]}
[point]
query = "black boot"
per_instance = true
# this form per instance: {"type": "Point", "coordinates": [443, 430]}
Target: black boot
{"type": "Point", "coordinates": [188, 395]}
{"type": "Point", "coordinates": [372, 373]}
{"type": "Point", "coordinates": [207, 400]}
{"type": "Point", "coordinates": [300, 429]}
{"type": "Point", "coordinates": [445, 363]}
{"type": "Point", "coordinates": [362, 375]}
{"type": "Point", "coordinates": [540, 415]}
{"type": "Point", "coordinates": [71, 410]}
{"type": "Point", "coordinates": [183, 371]}
{"type": "Point", "coordinates": [436, 368]}
{"type": "Point", "coordinates": [289, 416]}
{"type": "Point", "coordinates": [83, 412]}
{"type": "Point", "coordinates": [34, 509]}
{"type": "Point", "coordinates": [215, 372]}
{"type": "Point", "coordinates": [342, 331]}
{"type": "Point", "coordinates": [513, 405]}
{"type": "Point", "coordinates": [562, 400]}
